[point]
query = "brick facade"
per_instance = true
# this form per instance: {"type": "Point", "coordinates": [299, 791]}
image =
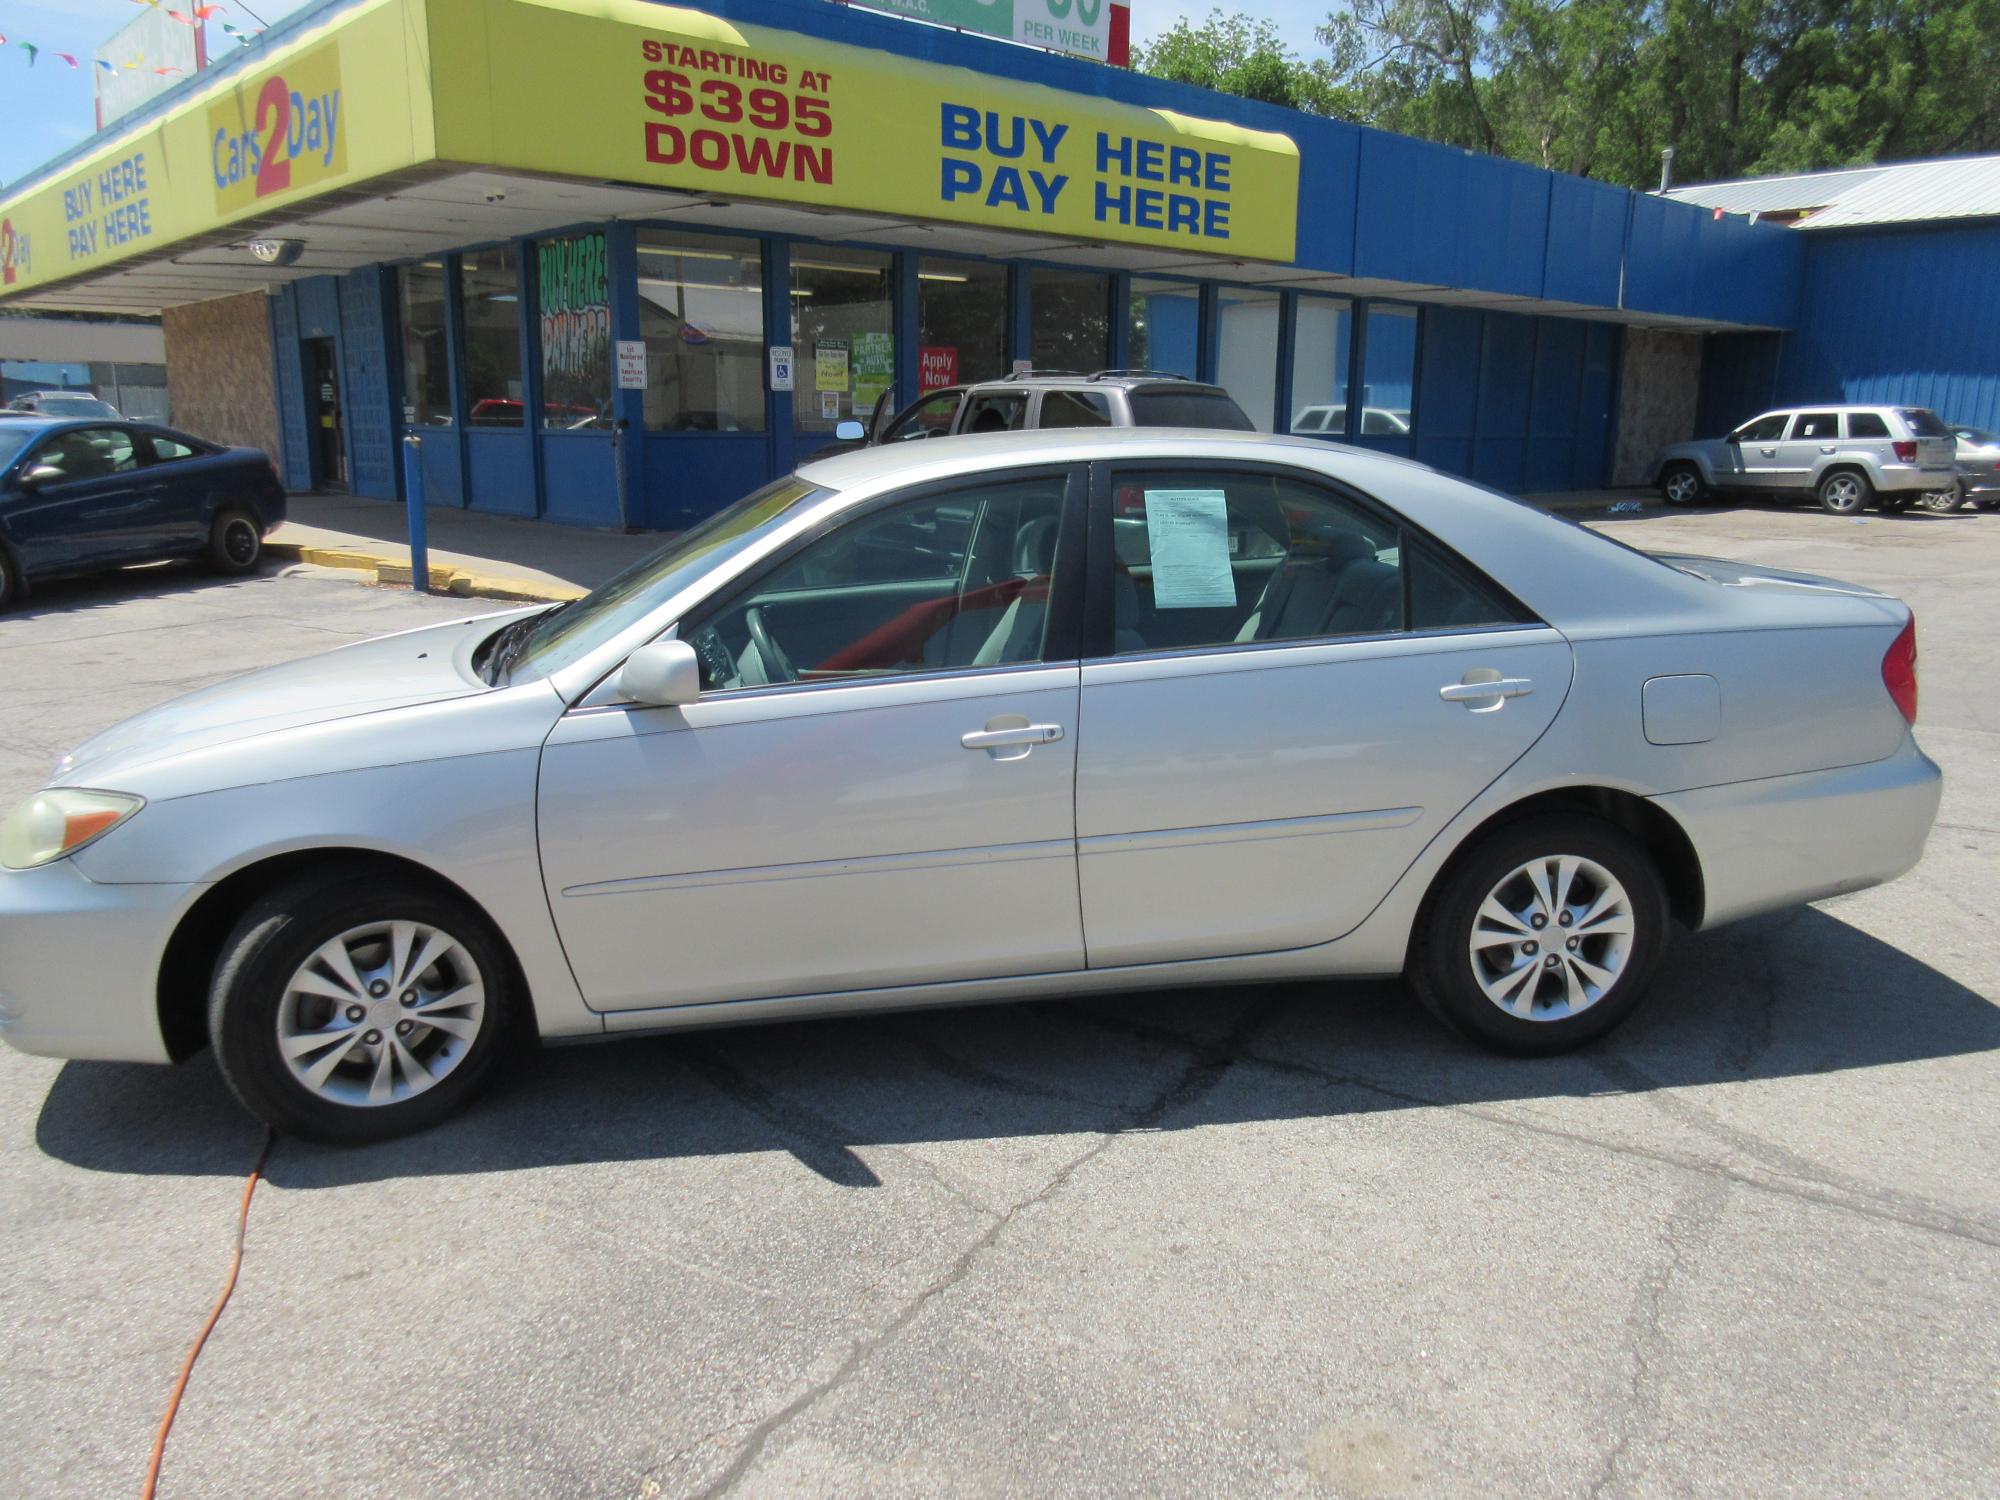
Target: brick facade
{"type": "Point", "coordinates": [219, 371]}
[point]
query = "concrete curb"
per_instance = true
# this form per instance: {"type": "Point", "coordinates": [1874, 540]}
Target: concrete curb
{"type": "Point", "coordinates": [395, 572]}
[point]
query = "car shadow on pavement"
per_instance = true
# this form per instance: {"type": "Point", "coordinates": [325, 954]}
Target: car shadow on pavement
{"type": "Point", "coordinates": [153, 580]}
{"type": "Point", "coordinates": [1795, 995]}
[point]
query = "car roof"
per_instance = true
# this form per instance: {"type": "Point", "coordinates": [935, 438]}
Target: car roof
{"type": "Point", "coordinates": [1118, 379]}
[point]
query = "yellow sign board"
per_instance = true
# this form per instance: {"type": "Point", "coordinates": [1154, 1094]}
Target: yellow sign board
{"type": "Point", "coordinates": [288, 129]}
{"type": "Point", "coordinates": [631, 91]}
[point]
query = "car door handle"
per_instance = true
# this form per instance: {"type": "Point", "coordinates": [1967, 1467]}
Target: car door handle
{"type": "Point", "coordinates": [1019, 735]}
{"type": "Point", "coordinates": [1828, 448]}
{"type": "Point", "coordinates": [1486, 692]}
{"type": "Point", "coordinates": [1768, 452]}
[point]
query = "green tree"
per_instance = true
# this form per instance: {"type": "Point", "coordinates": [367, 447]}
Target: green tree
{"type": "Point", "coordinates": [1233, 55]}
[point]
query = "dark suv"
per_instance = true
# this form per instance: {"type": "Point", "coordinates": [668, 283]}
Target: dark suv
{"type": "Point", "coordinates": [1060, 398]}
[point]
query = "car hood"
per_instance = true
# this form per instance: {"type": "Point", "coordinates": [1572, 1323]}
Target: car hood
{"type": "Point", "coordinates": [415, 667]}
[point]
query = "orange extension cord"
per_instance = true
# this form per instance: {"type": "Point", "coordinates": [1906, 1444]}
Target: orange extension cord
{"type": "Point", "coordinates": [214, 1314]}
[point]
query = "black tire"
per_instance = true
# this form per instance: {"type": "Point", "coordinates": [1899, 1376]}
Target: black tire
{"type": "Point", "coordinates": [1845, 492]}
{"type": "Point", "coordinates": [1683, 481]}
{"type": "Point", "coordinates": [1441, 965]}
{"type": "Point", "coordinates": [235, 542]}
{"type": "Point", "coordinates": [11, 590]}
{"type": "Point", "coordinates": [1896, 504]}
{"type": "Point", "coordinates": [270, 948]}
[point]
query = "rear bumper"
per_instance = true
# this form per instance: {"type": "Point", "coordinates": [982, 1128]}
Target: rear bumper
{"type": "Point", "coordinates": [80, 963]}
{"type": "Point", "coordinates": [1896, 477]}
{"type": "Point", "coordinates": [1786, 840]}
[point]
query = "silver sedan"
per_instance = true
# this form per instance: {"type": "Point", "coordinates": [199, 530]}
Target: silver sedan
{"type": "Point", "coordinates": [969, 722]}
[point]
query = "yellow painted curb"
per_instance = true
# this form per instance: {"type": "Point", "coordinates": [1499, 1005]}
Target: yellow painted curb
{"type": "Point", "coordinates": [394, 572]}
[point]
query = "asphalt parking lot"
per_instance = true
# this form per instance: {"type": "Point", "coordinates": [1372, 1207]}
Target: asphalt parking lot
{"type": "Point", "coordinates": [1283, 1241]}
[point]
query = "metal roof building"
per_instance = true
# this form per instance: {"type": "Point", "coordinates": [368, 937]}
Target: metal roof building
{"type": "Point", "coordinates": [1914, 192]}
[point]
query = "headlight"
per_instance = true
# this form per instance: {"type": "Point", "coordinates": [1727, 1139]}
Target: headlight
{"type": "Point", "coordinates": [60, 821]}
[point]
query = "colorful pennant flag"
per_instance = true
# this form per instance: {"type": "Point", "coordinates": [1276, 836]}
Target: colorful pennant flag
{"type": "Point", "coordinates": [31, 49]}
{"type": "Point", "coordinates": [67, 58]}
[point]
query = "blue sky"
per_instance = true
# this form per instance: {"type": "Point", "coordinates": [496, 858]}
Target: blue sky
{"type": "Point", "coordinates": [47, 108]}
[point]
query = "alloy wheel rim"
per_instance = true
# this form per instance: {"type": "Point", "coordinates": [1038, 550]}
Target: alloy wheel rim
{"type": "Point", "coordinates": [1680, 488]}
{"type": "Point", "coordinates": [1844, 493]}
{"type": "Point", "coordinates": [1552, 938]}
{"type": "Point", "coordinates": [239, 540]}
{"type": "Point", "coordinates": [381, 1013]}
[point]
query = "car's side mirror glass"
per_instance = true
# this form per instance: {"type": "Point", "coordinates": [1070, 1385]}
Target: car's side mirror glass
{"type": "Point", "coordinates": [666, 674]}
{"type": "Point", "coordinates": [850, 432]}
{"type": "Point", "coordinates": [40, 475]}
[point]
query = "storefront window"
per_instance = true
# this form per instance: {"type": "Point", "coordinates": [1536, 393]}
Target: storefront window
{"type": "Point", "coordinates": [1069, 320]}
{"type": "Point", "coordinates": [701, 313]}
{"type": "Point", "coordinates": [420, 293]}
{"type": "Point", "coordinates": [1165, 328]}
{"type": "Point", "coordinates": [493, 387]}
{"type": "Point", "coordinates": [1389, 373]}
{"type": "Point", "coordinates": [1322, 340]}
{"type": "Point", "coordinates": [1247, 366]}
{"type": "Point", "coordinates": [961, 322]}
{"type": "Point", "coordinates": [843, 334]}
{"type": "Point", "coordinates": [574, 299]}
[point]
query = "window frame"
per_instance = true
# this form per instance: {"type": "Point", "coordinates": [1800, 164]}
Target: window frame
{"type": "Point", "coordinates": [1099, 622]}
{"type": "Point", "coordinates": [1061, 640]}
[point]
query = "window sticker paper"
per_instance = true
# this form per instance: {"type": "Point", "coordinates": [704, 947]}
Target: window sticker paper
{"type": "Point", "coordinates": [1187, 532]}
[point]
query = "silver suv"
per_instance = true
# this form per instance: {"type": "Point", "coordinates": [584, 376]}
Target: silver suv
{"type": "Point", "coordinates": [1844, 455]}
{"type": "Point", "coordinates": [1058, 398]}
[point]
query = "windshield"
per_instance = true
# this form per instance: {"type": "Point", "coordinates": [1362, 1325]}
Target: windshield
{"type": "Point", "coordinates": [573, 631]}
{"type": "Point", "coordinates": [13, 440]}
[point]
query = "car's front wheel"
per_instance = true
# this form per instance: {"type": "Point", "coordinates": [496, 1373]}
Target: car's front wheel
{"type": "Point", "coordinates": [1544, 935]}
{"type": "Point", "coordinates": [1681, 484]}
{"type": "Point", "coordinates": [359, 1007]}
{"type": "Point", "coordinates": [235, 542]}
{"type": "Point", "coordinates": [1844, 492]}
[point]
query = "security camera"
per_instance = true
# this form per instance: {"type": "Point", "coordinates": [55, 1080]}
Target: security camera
{"type": "Point", "coordinates": [276, 252]}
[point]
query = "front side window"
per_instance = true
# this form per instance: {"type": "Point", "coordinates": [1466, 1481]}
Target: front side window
{"type": "Point", "coordinates": [88, 453]}
{"type": "Point", "coordinates": [1816, 424]}
{"type": "Point", "coordinates": [1228, 557]}
{"type": "Point", "coordinates": [1866, 424]}
{"type": "Point", "coordinates": [928, 418]}
{"type": "Point", "coordinates": [1764, 429]}
{"type": "Point", "coordinates": [701, 315]}
{"type": "Point", "coordinates": [954, 580]}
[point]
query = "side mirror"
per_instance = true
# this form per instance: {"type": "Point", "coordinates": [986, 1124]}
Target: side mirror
{"type": "Point", "coordinates": [40, 475]}
{"type": "Point", "coordinates": [850, 432]}
{"type": "Point", "coordinates": [1735, 439]}
{"type": "Point", "coordinates": [666, 674]}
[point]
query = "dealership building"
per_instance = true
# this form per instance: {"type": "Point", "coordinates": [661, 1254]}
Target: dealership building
{"type": "Point", "coordinates": [616, 262]}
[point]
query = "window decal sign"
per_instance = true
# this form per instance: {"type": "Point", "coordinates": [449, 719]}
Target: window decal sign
{"type": "Point", "coordinates": [1187, 534]}
{"type": "Point", "coordinates": [676, 98]}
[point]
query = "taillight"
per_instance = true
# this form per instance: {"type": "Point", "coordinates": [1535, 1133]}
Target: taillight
{"type": "Point", "coordinates": [1899, 671]}
{"type": "Point", "coordinates": [1906, 453]}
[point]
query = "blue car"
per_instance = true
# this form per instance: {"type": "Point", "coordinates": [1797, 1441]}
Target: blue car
{"type": "Point", "coordinates": [78, 496]}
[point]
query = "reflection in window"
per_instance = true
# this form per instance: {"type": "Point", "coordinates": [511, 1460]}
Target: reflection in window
{"type": "Point", "coordinates": [961, 322]}
{"type": "Point", "coordinates": [1321, 344]}
{"type": "Point", "coordinates": [1164, 328]}
{"type": "Point", "coordinates": [1069, 318]}
{"type": "Point", "coordinates": [1248, 364]}
{"type": "Point", "coordinates": [426, 349]}
{"type": "Point", "coordinates": [843, 334]}
{"type": "Point", "coordinates": [492, 318]}
{"type": "Point", "coordinates": [574, 300]}
{"type": "Point", "coordinates": [701, 313]}
{"type": "Point", "coordinates": [1390, 374]}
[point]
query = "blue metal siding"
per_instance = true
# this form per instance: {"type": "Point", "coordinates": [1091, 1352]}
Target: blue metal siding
{"type": "Point", "coordinates": [291, 382]}
{"type": "Point", "coordinates": [1552, 404]}
{"type": "Point", "coordinates": [500, 471]}
{"type": "Point", "coordinates": [368, 421]}
{"type": "Point", "coordinates": [1586, 237]}
{"type": "Point", "coordinates": [1910, 315]}
{"type": "Point", "coordinates": [1448, 387]}
{"type": "Point", "coordinates": [580, 474]}
{"type": "Point", "coordinates": [1506, 363]}
{"type": "Point", "coordinates": [1739, 378]}
{"type": "Point", "coordinates": [319, 306]}
{"type": "Point", "coordinates": [1596, 398]}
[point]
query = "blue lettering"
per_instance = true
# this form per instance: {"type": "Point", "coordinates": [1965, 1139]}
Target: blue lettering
{"type": "Point", "coordinates": [960, 178]}
{"type": "Point", "coordinates": [1048, 189]}
{"type": "Point", "coordinates": [1184, 166]}
{"type": "Point", "coordinates": [1151, 163]}
{"type": "Point", "coordinates": [1007, 188]}
{"type": "Point", "coordinates": [1148, 213]}
{"type": "Point", "coordinates": [1121, 154]}
{"type": "Point", "coordinates": [1215, 218]}
{"type": "Point", "coordinates": [332, 102]}
{"type": "Point", "coordinates": [1013, 149]}
{"type": "Point", "coordinates": [960, 128]}
{"type": "Point", "coordinates": [1111, 204]}
{"type": "Point", "coordinates": [1218, 173]}
{"type": "Point", "coordinates": [1048, 140]}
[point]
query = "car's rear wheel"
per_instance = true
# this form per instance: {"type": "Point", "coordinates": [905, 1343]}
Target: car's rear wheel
{"type": "Point", "coordinates": [1682, 484]}
{"type": "Point", "coordinates": [1941, 502]}
{"type": "Point", "coordinates": [357, 1008]}
{"type": "Point", "coordinates": [235, 542]}
{"type": "Point", "coordinates": [1844, 492]}
{"type": "Point", "coordinates": [10, 583]}
{"type": "Point", "coordinates": [1544, 935]}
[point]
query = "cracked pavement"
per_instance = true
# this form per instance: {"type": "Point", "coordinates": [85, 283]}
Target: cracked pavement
{"type": "Point", "coordinates": [1283, 1240]}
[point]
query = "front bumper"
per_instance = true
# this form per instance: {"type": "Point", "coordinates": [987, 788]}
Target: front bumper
{"type": "Point", "coordinates": [1786, 840]}
{"type": "Point", "coordinates": [80, 963]}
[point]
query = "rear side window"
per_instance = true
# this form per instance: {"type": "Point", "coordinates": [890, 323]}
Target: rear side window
{"type": "Point", "coordinates": [1007, 412]}
{"type": "Point", "coordinates": [166, 449]}
{"type": "Point", "coordinates": [1075, 409]}
{"type": "Point", "coordinates": [1866, 424]}
{"type": "Point", "coordinates": [1922, 423]}
{"type": "Point", "coordinates": [1817, 424]}
{"type": "Point", "coordinates": [1165, 407]}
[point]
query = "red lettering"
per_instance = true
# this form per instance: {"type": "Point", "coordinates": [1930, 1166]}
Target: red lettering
{"type": "Point", "coordinates": [762, 157]}
{"type": "Point", "coordinates": [815, 162]}
{"type": "Point", "coordinates": [667, 93]}
{"type": "Point", "coordinates": [274, 168]}
{"type": "Point", "coordinates": [708, 62]}
{"type": "Point", "coordinates": [650, 50]}
{"type": "Point", "coordinates": [710, 150]}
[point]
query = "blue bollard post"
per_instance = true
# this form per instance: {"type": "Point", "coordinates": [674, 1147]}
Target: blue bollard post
{"type": "Point", "coordinates": [413, 497]}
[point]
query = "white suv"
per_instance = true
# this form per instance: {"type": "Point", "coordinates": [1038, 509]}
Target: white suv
{"type": "Point", "coordinates": [1844, 455]}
